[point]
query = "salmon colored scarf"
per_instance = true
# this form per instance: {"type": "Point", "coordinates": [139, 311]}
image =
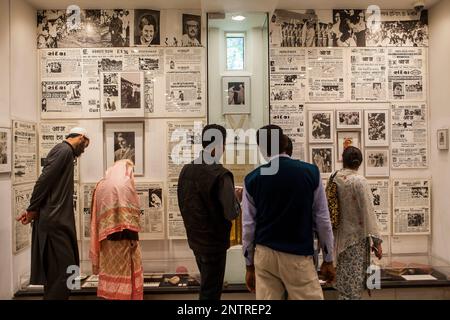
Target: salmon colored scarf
{"type": "Point", "coordinates": [115, 206]}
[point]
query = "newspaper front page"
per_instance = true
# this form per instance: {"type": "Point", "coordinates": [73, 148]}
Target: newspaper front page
{"type": "Point", "coordinates": [175, 224]}
{"type": "Point", "coordinates": [287, 74]}
{"type": "Point", "coordinates": [21, 233]}
{"type": "Point", "coordinates": [381, 203]}
{"type": "Point", "coordinates": [152, 220]}
{"type": "Point", "coordinates": [368, 74]}
{"type": "Point", "coordinates": [407, 71]}
{"type": "Point", "coordinates": [326, 75]}
{"type": "Point", "coordinates": [291, 118]}
{"type": "Point", "coordinates": [24, 149]}
{"type": "Point", "coordinates": [409, 135]}
{"type": "Point", "coordinates": [412, 206]}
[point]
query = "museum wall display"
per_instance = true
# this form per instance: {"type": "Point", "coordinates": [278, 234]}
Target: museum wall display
{"type": "Point", "coordinates": [141, 79]}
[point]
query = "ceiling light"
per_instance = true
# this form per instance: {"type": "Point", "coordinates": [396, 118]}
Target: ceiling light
{"type": "Point", "coordinates": [238, 18]}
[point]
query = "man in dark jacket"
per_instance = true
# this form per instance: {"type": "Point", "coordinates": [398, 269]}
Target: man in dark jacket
{"type": "Point", "coordinates": [208, 203]}
{"type": "Point", "coordinates": [54, 242]}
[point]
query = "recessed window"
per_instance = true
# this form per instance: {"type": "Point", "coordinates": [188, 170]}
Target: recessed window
{"type": "Point", "coordinates": [235, 51]}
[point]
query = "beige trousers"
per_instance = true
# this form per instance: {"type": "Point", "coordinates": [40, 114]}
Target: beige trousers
{"type": "Point", "coordinates": [279, 274]}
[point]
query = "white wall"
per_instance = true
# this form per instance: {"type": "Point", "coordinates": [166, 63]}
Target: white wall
{"type": "Point", "coordinates": [439, 58]}
{"type": "Point", "coordinates": [23, 93]}
{"type": "Point", "coordinates": [5, 179]}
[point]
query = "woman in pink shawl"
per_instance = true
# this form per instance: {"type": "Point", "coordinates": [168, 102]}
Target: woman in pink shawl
{"type": "Point", "coordinates": [115, 250]}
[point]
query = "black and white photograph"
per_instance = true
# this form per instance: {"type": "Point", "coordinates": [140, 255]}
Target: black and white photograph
{"type": "Point", "coordinates": [122, 94]}
{"type": "Point", "coordinates": [398, 28]}
{"type": "Point", "coordinates": [5, 150]}
{"type": "Point", "coordinates": [53, 68]}
{"type": "Point", "coordinates": [192, 28]}
{"type": "Point", "coordinates": [349, 28]}
{"type": "Point", "coordinates": [148, 64]}
{"type": "Point", "coordinates": [376, 128]}
{"type": "Point", "coordinates": [322, 157]}
{"type": "Point", "coordinates": [124, 146]}
{"type": "Point", "coordinates": [236, 95]}
{"type": "Point", "coordinates": [155, 198]}
{"type": "Point", "coordinates": [345, 140]}
{"type": "Point", "coordinates": [416, 219]}
{"type": "Point", "coordinates": [130, 85]}
{"type": "Point", "coordinates": [321, 126]}
{"type": "Point", "coordinates": [349, 119]}
{"type": "Point", "coordinates": [419, 192]}
{"type": "Point", "coordinates": [110, 65]}
{"type": "Point", "coordinates": [377, 162]}
{"type": "Point", "coordinates": [147, 28]}
{"type": "Point", "coordinates": [376, 196]}
{"type": "Point", "coordinates": [281, 95]}
{"type": "Point", "coordinates": [301, 28]}
{"type": "Point", "coordinates": [84, 28]}
{"type": "Point", "coordinates": [125, 140]}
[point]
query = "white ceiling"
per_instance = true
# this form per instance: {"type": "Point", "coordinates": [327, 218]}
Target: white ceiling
{"type": "Point", "coordinates": [253, 20]}
{"type": "Point", "coordinates": [228, 5]}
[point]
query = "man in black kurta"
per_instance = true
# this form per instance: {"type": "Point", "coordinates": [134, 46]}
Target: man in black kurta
{"type": "Point", "coordinates": [54, 241]}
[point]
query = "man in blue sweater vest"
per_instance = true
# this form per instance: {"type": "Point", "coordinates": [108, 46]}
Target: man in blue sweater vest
{"type": "Point", "coordinates": [281, 212]}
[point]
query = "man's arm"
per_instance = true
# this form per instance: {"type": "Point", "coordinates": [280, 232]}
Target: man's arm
{"type": "Point", "coordinates": [248, 227]}
{"type": "Point", "coordinates": [55, 164]}
{"type": "Point", "coordinates": [227, 198]}
{"type": "Point", "coordinates": [322, 223]}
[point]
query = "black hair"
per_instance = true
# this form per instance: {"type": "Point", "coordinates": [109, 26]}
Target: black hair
{"type": "Point", "coordinates": [268, 132]}
{"type": "Point", "coordinates": [148, 19]}
{"type": "Point", "coordinates": [287, 145]}
{"type": "Point", "coordinates": [352, 158]}
{"type": "Point", "coordinates": [207, 141]}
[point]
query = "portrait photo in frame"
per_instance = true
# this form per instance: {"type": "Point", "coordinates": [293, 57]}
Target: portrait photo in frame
{"type": "Point", "coordinates": [236, 95]}
{"type": "Point", "coordinates": [442, 139]}
{"type": "Point", "coordinates": [125, 140]}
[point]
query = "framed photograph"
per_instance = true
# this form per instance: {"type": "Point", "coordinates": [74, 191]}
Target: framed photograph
{"type": "Point", "coordinates": [442, 139]}
{"type": "Point", "coordinates": [236, 95]}
{"type": "Point", "coordinates": [322, 157]}
{"type": "Point", "coordinates": [122, 94]}
{"type": "Point", "coordinates": [347, 139]}
{"type": "Point", "coordinates": [321, 126]}
{"type": "Point", "coordinates": [377, 162]}
{"type": "Point", "coordinates": [5, 150]}
{"type": "Point", "coordinates": [348, 119]}
{"type": "Point", "coordinates": [125, 140]}
{"type": "Point", "coordinates": [376, 126]}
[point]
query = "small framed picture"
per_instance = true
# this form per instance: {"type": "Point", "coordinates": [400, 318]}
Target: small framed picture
{"type": "Point", "coordinates": [125, 140]}
{"type": "Point", "coordinates": [348, 119]}
{"type": "Point", "coordinates": [236, 95]}
{"type": "Point", "coordinates": [442, 139]}
{"type": "Point", "coordinates": [376, 126]}
{"type": "Point", "coordinates": [321, 126]}
{"type": "Point", "coordinates": [5, 150]}
{"type": "Point", "coordinates": [377, 162]}
{"type": "Point", "coordinates": [347, 139]}
{"type": "Point", "coordinates": [322, 157]}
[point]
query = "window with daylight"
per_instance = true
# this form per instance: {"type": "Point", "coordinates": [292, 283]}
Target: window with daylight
{"type": "Point", "coordinates": [235, 51]}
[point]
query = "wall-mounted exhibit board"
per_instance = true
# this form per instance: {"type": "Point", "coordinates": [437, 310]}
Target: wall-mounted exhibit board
{"type": "Point", "coordinates": [339, 81]}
